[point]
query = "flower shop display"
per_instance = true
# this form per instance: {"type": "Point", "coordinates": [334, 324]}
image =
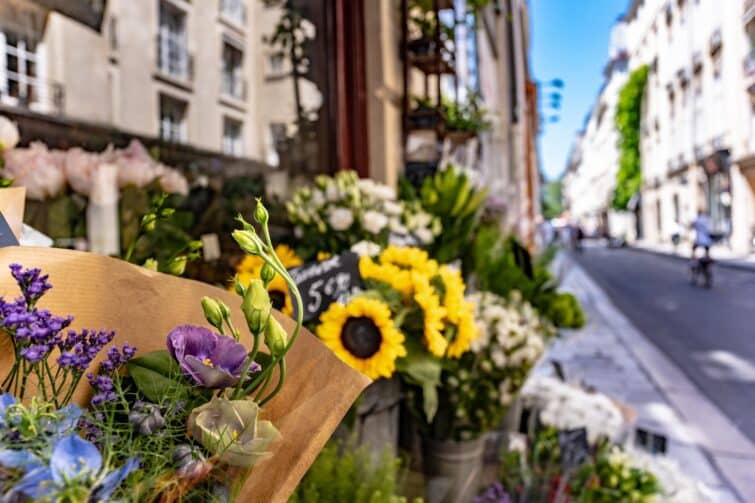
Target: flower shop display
{"type": "Point", "coordinates": [500, 264]}
{"type": "Point", "coordinates": [481, 385]}
{"type": "Point", "coordinates": [564, 407]}
{"type": "Point", "coordinates": [344, 472]}
{"type": "Point", "coordinates": [187, 415]}
{"type": "Point", "coordinates": [340, 211]}
{"type": "Point", "coordinates": [48, 173]}
{"type": "Point", "coordinates": [537, 472]}
{"type": "Point", "coordinates": [451, 196]}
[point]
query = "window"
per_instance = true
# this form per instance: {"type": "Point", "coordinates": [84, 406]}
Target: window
{"type": "Point", "coordinates": [233, 142]}
{"type": "Point", "coordinates": [276, 64]}
{"type": "Point", "coordinates": [18, 71]}
{"type": "Point", "coordinates": [233, 61]}
{"type": "Point", "coordinates": [235, 10]}
{"type": "Point", "coordinates": [172, 50]}
{"type": "Point", "coordinates": [172, 119]}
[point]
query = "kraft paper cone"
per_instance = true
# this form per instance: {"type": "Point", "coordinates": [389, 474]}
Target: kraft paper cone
{"type": "Point", "coordinates": [142, 306]}
{"type": "Point", "coordinates": [12, 203]}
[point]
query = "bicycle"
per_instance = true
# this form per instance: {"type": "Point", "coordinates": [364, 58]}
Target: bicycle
{"type": "Point", "coordinates": [701, 272]}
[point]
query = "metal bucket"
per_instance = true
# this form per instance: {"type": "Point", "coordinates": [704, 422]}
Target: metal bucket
{"type": "Point", "coordinates": [452, 469]}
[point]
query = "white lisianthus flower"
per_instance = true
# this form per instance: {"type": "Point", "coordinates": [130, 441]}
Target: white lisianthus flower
{"type": "Point", "coordinates": [366, 248]}
{"type": "Point", "coordinates": [396, 226]}
{"type": "Point", "coordinates": [9, 135]}
{"type": "Point", "coordinates": [374, 221]}
{"type": "Point", "coordinates": [332, 193]}
{"type": "Point", "coordinates": [392, 208]}
{"type": "Point", "coordinates": [318, 199]}
{"type": "Point", "coordinates": [340, 219]}
{"type": "Point", "coordinates": [424, 235]}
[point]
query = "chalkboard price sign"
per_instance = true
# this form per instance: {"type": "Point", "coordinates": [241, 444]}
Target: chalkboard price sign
{"type": "Point", "coordinates": [7, 238]}
{"type": "Point", "coordinates": [573, 446]}
{"type": "Point", "coordinates": [328, 281]}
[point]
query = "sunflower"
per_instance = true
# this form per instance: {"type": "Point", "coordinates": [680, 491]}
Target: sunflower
{"type": "Point", "coordinates": [362, 334]}
{"type": "Point", "coordinates": [250, 268]}
{"type": "Point", "coordinates": [397, 278]}
{"type": "Point", "coordinates": [323, 255]}
{"type": "Point", "coordinates": [458, 311]}
{"type": "Point", "coordinates": [432, 313]}
{"type": "Point", "coordinates": [467, 331]}
{"type": "Point", "coordinates": [407, 257]}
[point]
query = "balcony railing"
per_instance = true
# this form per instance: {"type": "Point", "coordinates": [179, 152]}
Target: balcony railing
{"type": "Point", "coordinates": [32, 93]}
{"type": "Point", "coordinates": [173, 58]}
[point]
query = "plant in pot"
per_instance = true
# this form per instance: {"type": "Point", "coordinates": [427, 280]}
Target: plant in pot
{"type": "Point", "coordinates": [424, 23]}
{"type": "Point", "coordinates": [465, 120]}
{"type": "Point", "coordinates": [478, 389]}
{"type": "Point", "coordinates": [412, 320]}
{"type": "Point", "coordinates": [425, 114]}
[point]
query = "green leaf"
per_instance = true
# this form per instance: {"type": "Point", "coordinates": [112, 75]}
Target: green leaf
{"type": "Point", "coordinates": [423, 369]}
{"type": "Point", "coordinates": [158, 376]}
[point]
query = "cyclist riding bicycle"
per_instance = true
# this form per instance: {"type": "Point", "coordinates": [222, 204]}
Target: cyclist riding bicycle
{"type": "Point", "coordinates": [703, 239]}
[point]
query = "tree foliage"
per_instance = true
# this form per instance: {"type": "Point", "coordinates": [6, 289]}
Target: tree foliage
{"type": "Point", "coordinates": [551, 201]}
{"type": "Point", "coordinates": [628, 122]}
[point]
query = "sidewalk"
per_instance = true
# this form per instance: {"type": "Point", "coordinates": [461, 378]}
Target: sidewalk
{"type": "Point", "coordinates": [720, 253]}
{"type": "Point", "coordinates": [611, 355]}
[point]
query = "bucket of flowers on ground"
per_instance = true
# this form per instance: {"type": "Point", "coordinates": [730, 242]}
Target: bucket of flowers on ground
{"type": "Point", "coordinates": [167, 398]}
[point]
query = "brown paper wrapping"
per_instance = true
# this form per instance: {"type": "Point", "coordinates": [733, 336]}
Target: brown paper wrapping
{"type": "Point", "coordinates": [12, 203]}
{"type": "Point", "coordinates": [142, 306]}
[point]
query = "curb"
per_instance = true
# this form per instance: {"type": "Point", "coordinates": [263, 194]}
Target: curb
{"type": "Point", "coordinates": [727, 263]}
{"type": "Point", "coordinates": [715, 435]}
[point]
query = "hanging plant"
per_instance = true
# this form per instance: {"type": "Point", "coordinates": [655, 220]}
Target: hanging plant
{"type": "Point", "coordinates": [628, 122]}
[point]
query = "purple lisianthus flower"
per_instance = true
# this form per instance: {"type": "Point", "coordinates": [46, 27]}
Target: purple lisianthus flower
{"type": "Point", "coordinates": [211, 360]}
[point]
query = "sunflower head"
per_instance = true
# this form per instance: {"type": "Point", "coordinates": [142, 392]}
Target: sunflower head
{"type": "Point", "coordinates": [362, 334]}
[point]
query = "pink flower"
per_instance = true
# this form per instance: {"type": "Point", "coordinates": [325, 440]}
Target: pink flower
{"type": "Point", "coordinates": [135, 166]}
{"type": "Point", "coordinates": [173, 182]}
{"type": "Point", "coordinates": [38, 169]}
{"type": "Point", "coordinates": [79, 168]}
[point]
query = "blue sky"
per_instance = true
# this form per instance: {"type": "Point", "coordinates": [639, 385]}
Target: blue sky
{"type": "Point", "coordinates": [570, 42]}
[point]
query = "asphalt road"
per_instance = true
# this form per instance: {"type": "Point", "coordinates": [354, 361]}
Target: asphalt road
{"type": "Point", "coordinates": [709, 334]}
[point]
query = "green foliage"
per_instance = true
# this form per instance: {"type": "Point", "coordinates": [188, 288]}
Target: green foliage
{"type": "Point", "coordinates": [552, 203]}
{"type": "Point", "coordinates": [466, 117]}
{"type": "Point", "coordinates": [451, 196]}
{"type": "Point", "coordinates": [628, 122]}
{"type": "Point", "coordinates": [501, 265]}
{"type": "Point", "coordinates": [344, 473]}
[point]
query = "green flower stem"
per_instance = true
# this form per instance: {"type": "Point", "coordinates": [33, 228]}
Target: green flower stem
{"type": "Point", "coordinates": [264, 386]}
{"type": "Point", "coordinates": [281, 378]}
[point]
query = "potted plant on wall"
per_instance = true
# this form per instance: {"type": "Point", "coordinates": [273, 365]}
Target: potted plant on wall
{"type": "Point", "coordinates": [425, 115]}
{"type": "Point", "coordinates": [424, 23]}
{"type": "Point", "coordinates": [465, 120]}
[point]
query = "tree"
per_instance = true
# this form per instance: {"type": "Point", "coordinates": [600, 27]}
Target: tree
{"type": "Point", "coordinates": [628, 122]}
{"type": "Point", "coordinates": [552, 203]}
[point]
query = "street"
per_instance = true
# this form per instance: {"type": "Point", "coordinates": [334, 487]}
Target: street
{"type": "Point", "coordinates": [707, 333]}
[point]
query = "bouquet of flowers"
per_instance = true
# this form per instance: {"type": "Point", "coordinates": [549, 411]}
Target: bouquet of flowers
{"type": "Point", "coordinates": [412, 319]}
{"type": "Point", "coordinates": [564, 407]}
{"type": "Point", "coordinates": [187, 421]}
{"type": "Point", "coordinates": [483, 382]}
{"type": "Point", "coordinates": [343, 210]}
{"type": "Point", "coordinates": [536, 472]}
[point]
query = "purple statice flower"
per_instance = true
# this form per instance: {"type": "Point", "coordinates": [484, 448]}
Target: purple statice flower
{"type": "Point", "coordinates": [211, 360]}
{"type": "Point", "coordinates": [102, 382]}
{"type": "Point", "coordinates": [116, 359]}
{"type": "Point", "coordinates": [493, 494]}
{"type": "Point", "coordinates": [103, 385]}
{"type": "Point", "coordinates": [35, 353]}
{"type": "Point", "coordinates": [31, 282]}
{"type": "Point", "coordinates": [78, 349]}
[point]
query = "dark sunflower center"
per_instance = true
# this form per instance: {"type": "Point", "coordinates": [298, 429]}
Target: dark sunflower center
{"type": "Point", "coordinates": [361, 337]}
{"type": "Point", "coordinates": [278, 299]}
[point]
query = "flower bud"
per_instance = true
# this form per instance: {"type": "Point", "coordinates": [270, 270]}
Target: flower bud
{"type": "Point", "coordinates": [267, 273]}
{"type": "Point", "coordinates": [275, 337]}
{"type": "Point", "coordinates": [224, 309]}
{"type": "Point", "coordinates": [261, 215]}
{"type": "Point", "coordinates": [248, 241]}
{"type": "Point", "coordinates": [212, 312]}
{"type": "Point", "coordinates": [256, 306]}
{"type": "Point", "coordinates": [189, 462]}
{"type": "Point", "coordinates": [150, 264]}
{"type": "Point", "coordinates": [146, 417]}
{"type": "Point", "coordinates": [148, 222]}
{"type": "Point", "coordinates": [177, 265]}
{"type": "Point", "coordinates": [238, 286]}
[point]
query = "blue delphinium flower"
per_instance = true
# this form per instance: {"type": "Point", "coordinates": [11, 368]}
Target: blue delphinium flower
{"type": "Point", "coordinates": [75, 471]}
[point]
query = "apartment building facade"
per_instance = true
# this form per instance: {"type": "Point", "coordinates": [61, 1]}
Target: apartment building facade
{"type": "Point", "coordinates": [306, 86]}
{"type": "Point", "coordinates": [697, 116]}
{"type": "Point", "coordinates": [590, 177]}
